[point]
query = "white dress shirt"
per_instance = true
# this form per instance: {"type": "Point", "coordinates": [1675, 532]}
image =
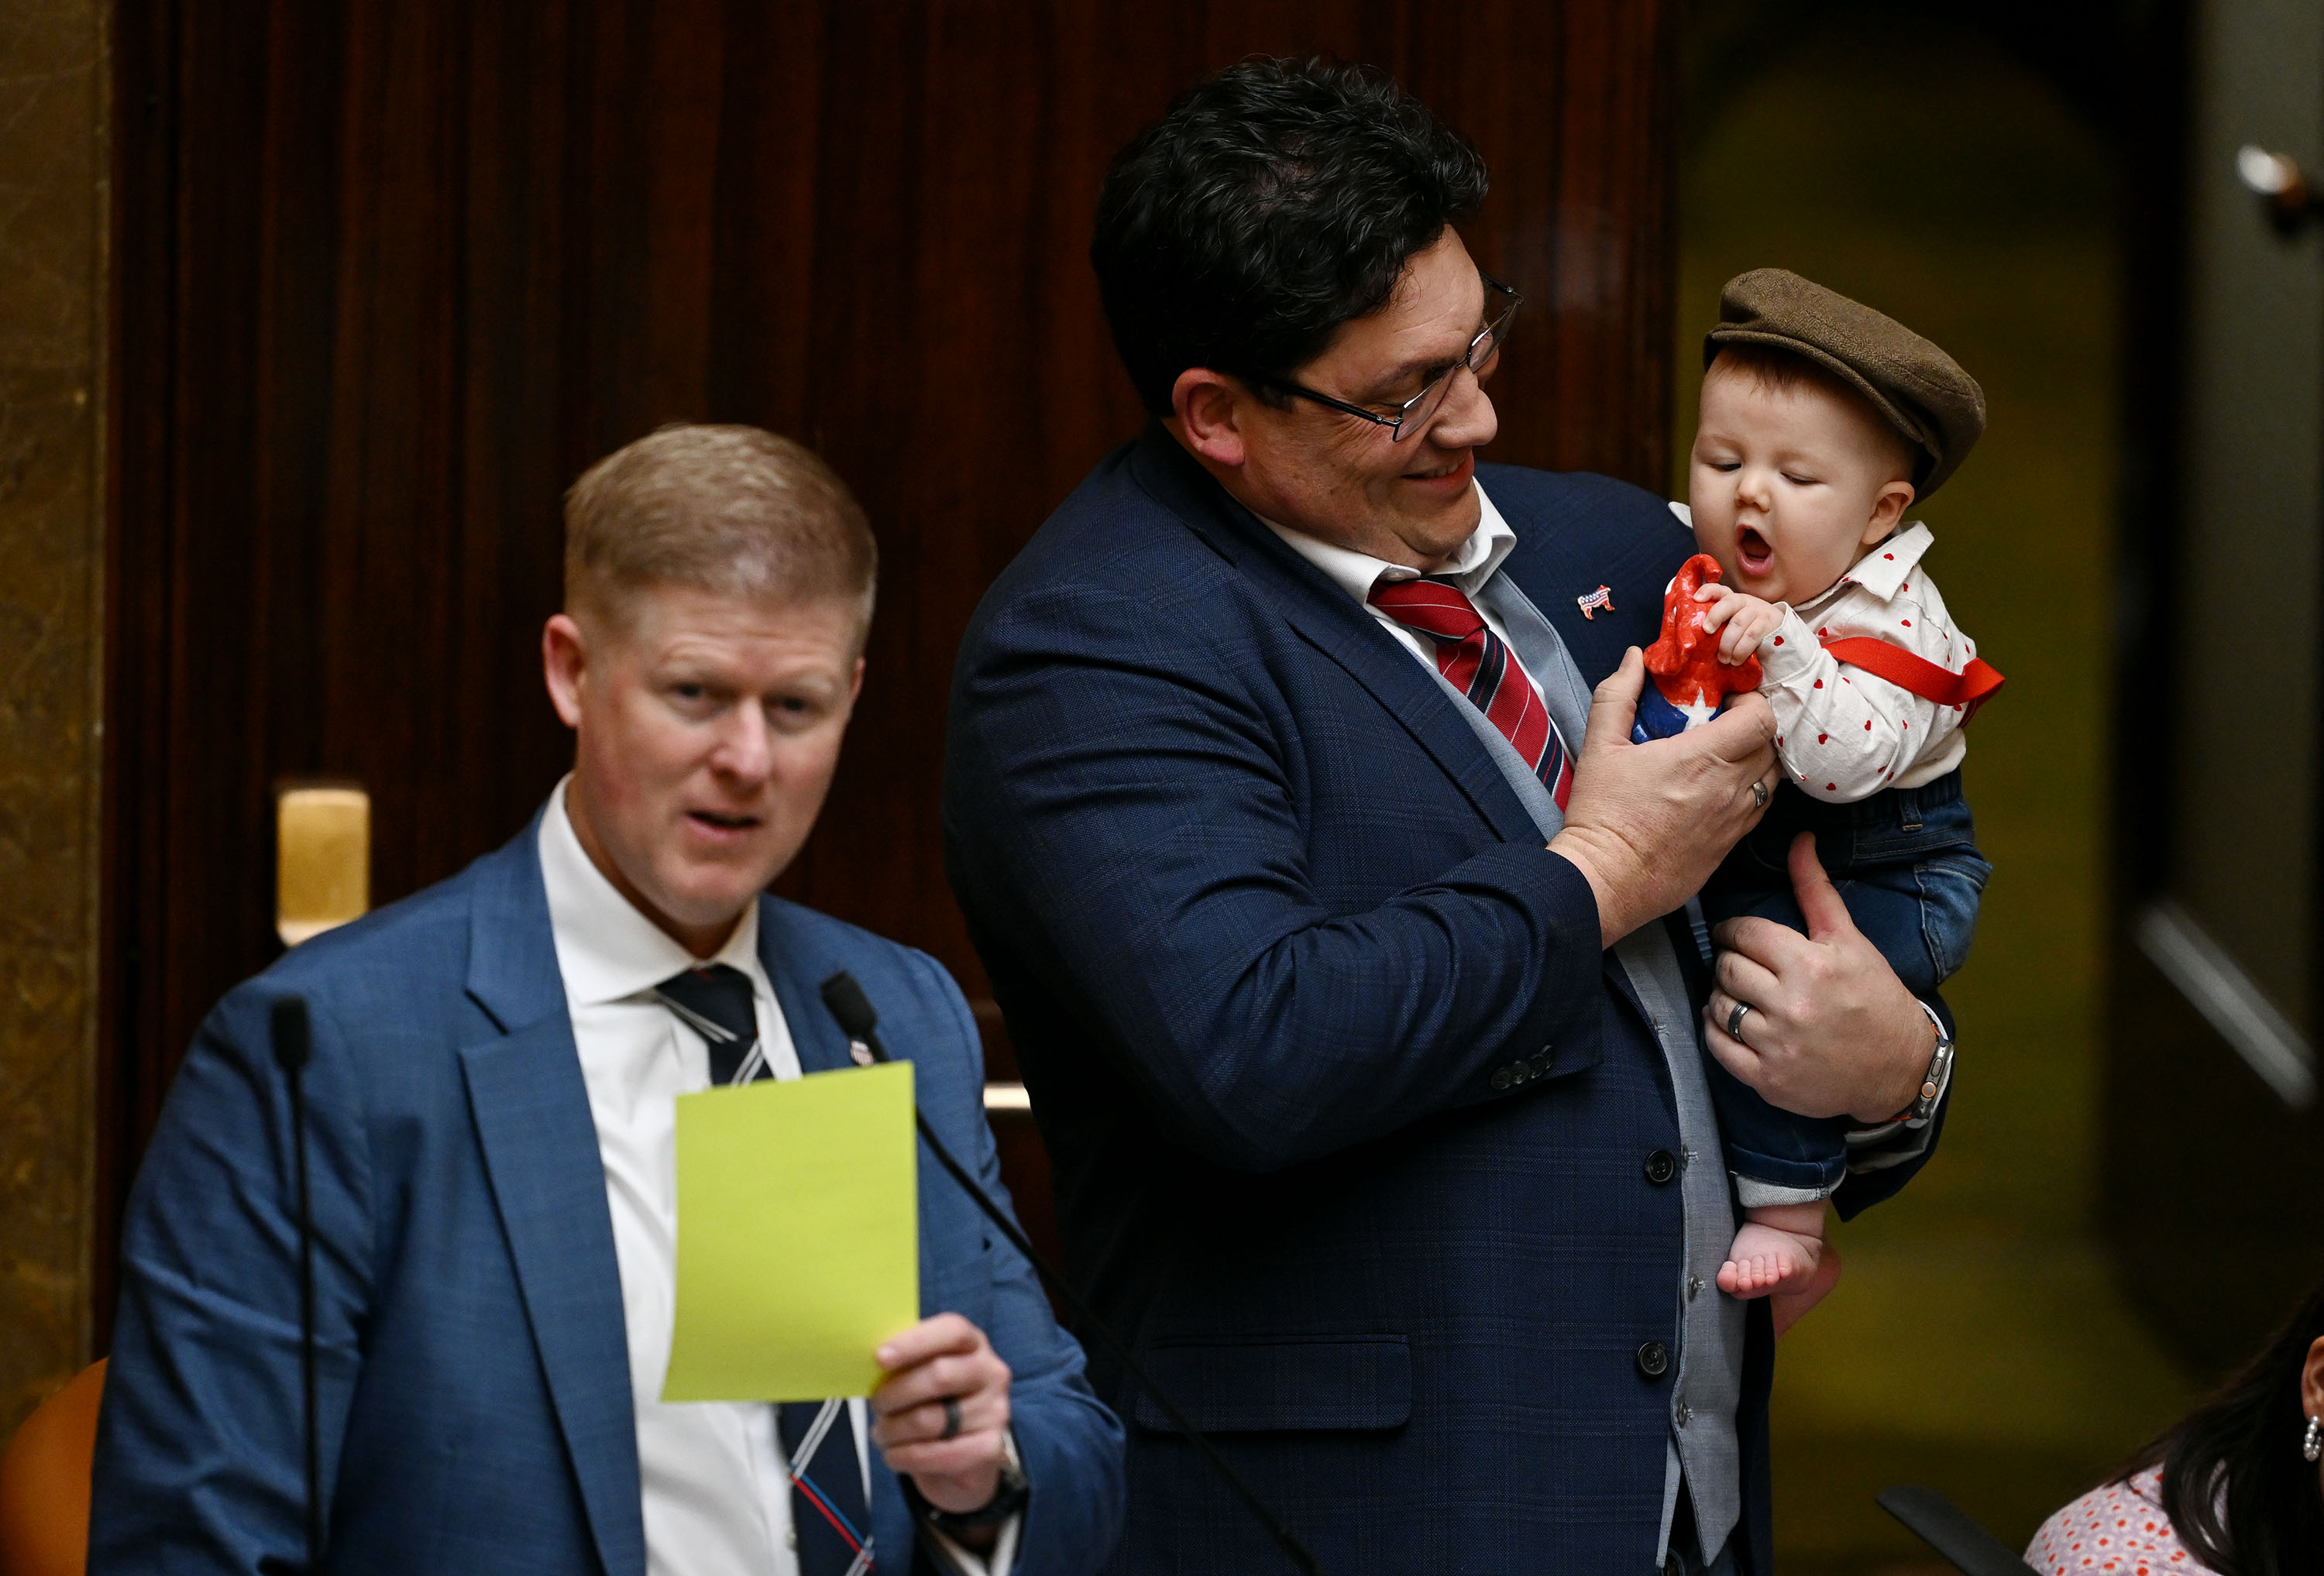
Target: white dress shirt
{"type": "Point", "coordinates": [713, 1474]}
{"type": "Point", "coordinates": [1476, 562]}
{"type": "Point", "coordinates": [1845, 734]}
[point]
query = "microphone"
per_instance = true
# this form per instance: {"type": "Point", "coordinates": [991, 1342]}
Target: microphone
{"type": "Point", "coordinates": [845, 1001]}
{"type": "Point", "coordinates": [292, 1043]}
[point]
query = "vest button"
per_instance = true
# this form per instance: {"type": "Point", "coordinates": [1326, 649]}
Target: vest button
{"type": "Point", "coordinates": [1661, 1167]}
{"type": "Point", "coordinates": [1654, 1359]}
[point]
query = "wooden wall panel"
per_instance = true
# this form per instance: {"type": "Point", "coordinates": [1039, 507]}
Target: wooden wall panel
{"type": "Point", "coordinates": [391, 275]}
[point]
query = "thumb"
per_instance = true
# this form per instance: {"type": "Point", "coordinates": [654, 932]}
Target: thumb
{"type": "Point", "coordinates": [1614, 704]}
{"type": "Point", "coordinates": [1820, 901]}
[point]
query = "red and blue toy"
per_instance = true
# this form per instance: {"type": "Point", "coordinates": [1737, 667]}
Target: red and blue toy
{"type": "Point", "coordinates": [1690, 683]}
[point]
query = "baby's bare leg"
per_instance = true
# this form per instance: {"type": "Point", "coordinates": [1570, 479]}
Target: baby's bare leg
{"type": "Point", "coordinates": [1777, 1249]}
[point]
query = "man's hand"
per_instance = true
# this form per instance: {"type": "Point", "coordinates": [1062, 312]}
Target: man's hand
{"type": "Point", "coordinates": [1831, 1030]}
{"type": "Point", "coordinates": [936, 1358]}
{"type": "Point", "coordinates": [1647, 824]}
{"type": "Point", "coordinates": [1749, 619]}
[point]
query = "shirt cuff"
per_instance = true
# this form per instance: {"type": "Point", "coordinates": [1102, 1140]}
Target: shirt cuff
{"type": "Point", "coordinates": [998, 1562]}
{"type": "Point", "coordinates": [961, 1562]}
{"type": "Point", "coordinates": [1791, 651]}
{"type": "Point", "coordinates": [1755, 1194]}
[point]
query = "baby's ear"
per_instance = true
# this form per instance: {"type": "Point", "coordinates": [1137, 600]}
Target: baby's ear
{"type": "Point", "coordinates": [1888, 507]}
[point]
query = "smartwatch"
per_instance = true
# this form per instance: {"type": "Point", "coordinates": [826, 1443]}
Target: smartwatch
{"type": "Point", "coordinates": [1940, 1072]}
{"type": "Point", "coordinates": [1007, 1500]}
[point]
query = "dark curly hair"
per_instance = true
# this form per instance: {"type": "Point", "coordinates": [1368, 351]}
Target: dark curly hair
{"type": "Point", "coordinates": [1270, 204]}
{"type": "Point", "coordinates": [2234, 1485]}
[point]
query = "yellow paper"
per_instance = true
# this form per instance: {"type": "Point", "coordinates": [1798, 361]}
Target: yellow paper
{"type": "Point", "coordinates": [797, 1235]}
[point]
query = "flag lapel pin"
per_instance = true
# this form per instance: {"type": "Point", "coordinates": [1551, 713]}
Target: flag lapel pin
{"type": "Point", "coordinates": [1591, 602]}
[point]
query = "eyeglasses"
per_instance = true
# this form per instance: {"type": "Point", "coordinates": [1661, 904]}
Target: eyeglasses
{"type": "Point", "coordinates": [1413, 414]}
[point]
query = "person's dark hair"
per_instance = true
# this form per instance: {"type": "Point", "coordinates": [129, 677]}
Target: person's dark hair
{"type": "Point", "coordinates": [1270, 204]}
{"type": "Point", "coordinates": [2236, 1490]}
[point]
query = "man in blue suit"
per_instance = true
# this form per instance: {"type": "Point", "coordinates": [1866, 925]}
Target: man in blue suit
{"type": "Point", "coordinates": [490, 1126]}
{"type": "Point", "coordinates": [1338, 925]}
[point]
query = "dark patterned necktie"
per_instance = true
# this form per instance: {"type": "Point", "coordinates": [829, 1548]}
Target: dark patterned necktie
{"type": "Point", "coordinates": [1479, 664]}
{"type": "Point", "coordinates": [831, 1526]}
{"type": "Point", "coordinates": [715, 1003]}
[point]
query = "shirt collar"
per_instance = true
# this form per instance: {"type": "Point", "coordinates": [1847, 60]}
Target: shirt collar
{"type": "Point", "coordinates": [1476, 561]}
{"type": "Point", "coordinates": [1882, 570]}
{"type": "Point", "coordinates": [606, 950]}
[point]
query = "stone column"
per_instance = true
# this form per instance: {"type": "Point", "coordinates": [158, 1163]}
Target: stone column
{"type": "Point", "coordinates": [53, 217]}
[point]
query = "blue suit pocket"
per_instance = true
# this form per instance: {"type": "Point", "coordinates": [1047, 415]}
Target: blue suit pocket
{"type": "Point", "coordinates": [1291, 1385]}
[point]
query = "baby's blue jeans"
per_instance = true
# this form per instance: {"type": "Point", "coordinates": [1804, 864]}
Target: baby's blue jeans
{"type": "Point", "coordinates": [1906, 864]}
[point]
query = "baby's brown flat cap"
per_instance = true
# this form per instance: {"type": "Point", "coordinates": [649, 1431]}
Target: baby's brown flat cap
{"type": "Point", "coordinates": [1920, 390]}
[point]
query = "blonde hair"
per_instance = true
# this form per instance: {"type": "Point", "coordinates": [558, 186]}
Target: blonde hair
{"type": "Point", "coordinates": [730, 509]}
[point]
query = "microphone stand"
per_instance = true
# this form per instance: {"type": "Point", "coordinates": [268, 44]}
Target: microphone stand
{"type": "Point", "coordinates": [847, 1002]}
{"type": "Point", "coordinates": [1946, 1528]}
{"type": "Point", "coordinates": [292, 1042]}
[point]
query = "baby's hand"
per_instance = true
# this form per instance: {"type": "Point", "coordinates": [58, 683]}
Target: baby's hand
{"type": "Point", "coordinates": [1747, 619]}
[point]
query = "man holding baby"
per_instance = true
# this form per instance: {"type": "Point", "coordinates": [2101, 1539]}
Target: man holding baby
{"type": "Point", "coordinates": [1340, 927]}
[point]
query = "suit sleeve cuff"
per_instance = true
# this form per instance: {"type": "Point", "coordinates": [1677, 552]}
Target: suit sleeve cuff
{"type": "Point", "coordinates": [961, 1562]}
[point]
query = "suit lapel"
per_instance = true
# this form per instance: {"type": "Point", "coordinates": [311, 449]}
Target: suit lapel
{"type": "Point", "coordinates": [1424, 707]}
{"type": "Point", "coordinates": [1596, 645]}
{"type": "Point", "coordinates": [816, 1035]}
{"type": "Point", "coordinates": [1326, 619]}
{"type": "Point", "coordinates": [1563, 555]}
{"type": "Point", "coordinates": [539, 1144]}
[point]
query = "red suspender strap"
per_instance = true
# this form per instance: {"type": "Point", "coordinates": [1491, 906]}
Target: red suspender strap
{"type": "Point", "coordinates": [1969, 688]}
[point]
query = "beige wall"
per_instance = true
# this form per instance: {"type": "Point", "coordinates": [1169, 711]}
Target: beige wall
{"type": "Point", "coordinates": [52, 294]}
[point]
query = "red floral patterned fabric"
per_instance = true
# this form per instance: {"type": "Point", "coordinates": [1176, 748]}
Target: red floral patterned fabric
{"type": "Point", "coordinates": [2119, 1527]}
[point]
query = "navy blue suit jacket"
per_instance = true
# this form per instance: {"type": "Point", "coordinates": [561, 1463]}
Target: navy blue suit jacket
{"type": "Point", "coordinates": [474, 1373]}
{"type": "Point", "coordinates": [1264, 919]}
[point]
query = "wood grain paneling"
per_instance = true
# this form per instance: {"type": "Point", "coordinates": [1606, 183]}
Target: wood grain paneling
{"type": "Point", "coordinates": [391, 275]}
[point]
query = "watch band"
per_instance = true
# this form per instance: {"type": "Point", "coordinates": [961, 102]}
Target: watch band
{"type": "Point", "coordinates": [1007, 1500]}
{"type": "Point", "coordinates": [1940, 1072]}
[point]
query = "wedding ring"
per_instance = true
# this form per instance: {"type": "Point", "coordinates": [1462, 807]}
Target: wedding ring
{"type": "Point", "coordinates": [1735, 1019]}
{"type": "Point", "coordinates": [951, 1418]}
{"type": "Point", "coordinates": [1758, 794]}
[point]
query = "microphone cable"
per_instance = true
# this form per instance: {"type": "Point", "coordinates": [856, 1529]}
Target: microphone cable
{"type": "Point", "coordinates": [847, 1002]}
{"type": "Point", "coordinates": [292, 1043]}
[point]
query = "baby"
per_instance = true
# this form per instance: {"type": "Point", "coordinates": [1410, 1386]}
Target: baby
{"type": "Point", "coordinates": [1822, 422]}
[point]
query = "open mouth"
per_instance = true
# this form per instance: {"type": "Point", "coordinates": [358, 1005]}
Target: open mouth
{"type": "Point", "coordinates": [722, 822]}
{"type": "Point", "coordinates": [1752, 552]}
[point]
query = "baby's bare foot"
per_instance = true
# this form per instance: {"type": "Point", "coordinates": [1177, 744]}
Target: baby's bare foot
{"type": "Point", "coordinates": [1767, 1259]}
{"type": "Point", "coordinates": [1789, 1306]}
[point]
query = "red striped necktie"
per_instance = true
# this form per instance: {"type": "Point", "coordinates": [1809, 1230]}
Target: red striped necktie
{"type": "Point", "coordinates": [1479, 664]}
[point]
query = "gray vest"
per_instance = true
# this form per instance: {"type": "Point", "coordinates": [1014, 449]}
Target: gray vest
{"type": "Point", "coordinates": [1710, 1382]}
